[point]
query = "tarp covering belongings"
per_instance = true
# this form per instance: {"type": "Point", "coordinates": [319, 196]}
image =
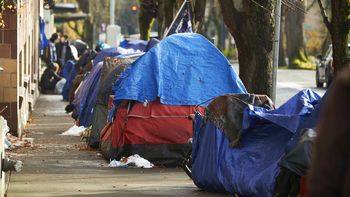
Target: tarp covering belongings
{"type": "Point", "coordinates": [158, 92]}
{"type": "Point", "coordinates": [86, 96]}
{"type": "Point", "coordinates": [183, 69]}
{"type": "Point", "coordinates": [251, 169]}
{"type": "Point", "coordinates": [112, 52]}
{"type": "Point", "coordinates": [99, 117]}
{"type": "Point", "coordinates": [87, 92]}
{"type": "Point", "coordinates": [134, 44]}
{"type": "Point", "coordinates": [69, 72]}
{"type": "Point", "coordinates": [295, 165]}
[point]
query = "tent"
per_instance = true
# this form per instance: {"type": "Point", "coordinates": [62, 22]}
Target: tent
{"type": "Point", "coordinates": [99, 117]}
{"type": "Point", "coordinates": [156, 94]}
{"type": "Point", "coordinates": [69, 72]}
{"type": "Point", "coordinates": [134, 44]}
{"type": "Point", "coordinates": [86, 95]}
{"type": "Point", "coordinates": [111, 52]}
{"type": "Point", "coordinates": [251, 169]}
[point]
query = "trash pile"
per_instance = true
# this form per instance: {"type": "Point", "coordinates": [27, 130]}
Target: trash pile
{"type": "Point", "coordinates": [12, 142]}
{"type": "Point", "coordinates": [75, 131]}
{"type": "Point", "coordinates": [133, 161]}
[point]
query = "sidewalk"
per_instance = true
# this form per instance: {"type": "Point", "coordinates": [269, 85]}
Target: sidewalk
{"type": "Point", "coordinates": [60, 165]}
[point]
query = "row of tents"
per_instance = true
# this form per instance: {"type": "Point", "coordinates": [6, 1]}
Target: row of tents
{"type": "Point", "coordinates": [150, 98]}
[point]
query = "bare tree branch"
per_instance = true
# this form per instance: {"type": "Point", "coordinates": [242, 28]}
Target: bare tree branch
{"type": "Point", "coordinates": [311, 5]}
{"type": "Point", "coordinates": [324, 15]}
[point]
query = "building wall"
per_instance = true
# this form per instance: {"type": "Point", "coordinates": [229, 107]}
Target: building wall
{"type": "Point", "coordinates": [19, 56]}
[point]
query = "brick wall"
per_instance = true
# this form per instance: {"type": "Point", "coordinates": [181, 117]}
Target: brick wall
{"type": "Point", "coordinates": [19, 56]}
{"type": "Point", "coordinates": [8, 61]}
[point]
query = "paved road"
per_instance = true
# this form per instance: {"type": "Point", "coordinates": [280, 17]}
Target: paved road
{"type": "Point", "coordinates": [290, 82]}
{"type": "Point", "coordinates": [60, 166]}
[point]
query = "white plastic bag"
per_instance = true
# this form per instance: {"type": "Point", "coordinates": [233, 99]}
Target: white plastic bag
{"type": "Point", "coordinates": [74, 131]}
{"type": "Point", "coordinates": [59, 85]}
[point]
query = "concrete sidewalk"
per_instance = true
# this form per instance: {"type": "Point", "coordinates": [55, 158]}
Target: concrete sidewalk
{"type": "Point", "coordinates": [61, 165]}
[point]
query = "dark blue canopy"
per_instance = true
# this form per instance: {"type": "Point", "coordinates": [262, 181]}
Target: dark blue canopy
{"type": "Point", "coordinates": [85, 98]}
{"type": "Point", "coordinates": [249, 170]}
{"type": "Point", "coordinates": [111, 52]}
{"type": "Point", "coordinates": [134, 44]}
{"type": "Point", "coordinates": [183, 69]}
{"type": "Point", "coordinates": [69, 72]}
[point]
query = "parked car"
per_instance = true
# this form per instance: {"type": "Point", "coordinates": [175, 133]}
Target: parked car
{"type": "Point", "coordinates": [324, 69]}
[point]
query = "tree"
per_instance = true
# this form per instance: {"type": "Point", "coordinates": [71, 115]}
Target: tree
{"type": "Point", "coordinates": [251, 24]}
{"type": "Point", "coordinates": [166, 13]}
{"type": "Point", "coordinates": [199, 12]}
{"type": "Point", "coordinates": [338, 26]}
{"type": "Point", "coordinates": [294, 30]}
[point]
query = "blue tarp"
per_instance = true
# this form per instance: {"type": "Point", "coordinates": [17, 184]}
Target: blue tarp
{"type": "Point", "coordinates": [183, 69]}
{"type": "Point", "coordinates": [249, 170]}
{"type": "Point", "coordinates": [68, 72]}
{"type": "Point", "coordinates": [44, 42]}
{"type": "Point", "coordinates": [134, 44]}
{"type": "Point", "coordinates": [85, 99]}
{"type": "Point", "coordinates": [111, 52]}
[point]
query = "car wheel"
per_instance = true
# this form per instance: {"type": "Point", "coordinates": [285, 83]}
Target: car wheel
{"type": "Point", "coordinates": [329, 79]}
{"type": "Point", "coordinates": [318, 83]}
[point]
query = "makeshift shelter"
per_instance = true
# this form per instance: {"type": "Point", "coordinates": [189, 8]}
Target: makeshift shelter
{"type": "Point", "coordinates": [251, 169]}
{"type": "Point", "coordinates": [86, 94]}
{"type": "Point", "coordinates": [69, 72]}
{"type": "Point", "coordinates": [134, 44]}
{"type": "Point", "coordinates": [112, 52]}
{"type": "Point", "coordinates": [156, 94]}
{"type": "Point", "coordinates": [99, 117]}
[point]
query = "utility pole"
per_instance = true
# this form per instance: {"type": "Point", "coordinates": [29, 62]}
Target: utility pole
{"type": "Point", "coordinates": [111, 11]}
{"type": "Point", "coordinates": [278, 8]}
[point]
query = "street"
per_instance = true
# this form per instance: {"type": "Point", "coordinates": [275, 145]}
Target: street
{"type": "Point", "coordinates": [63, 166]}
{"type": "Point", "coordinates": [292, 81]}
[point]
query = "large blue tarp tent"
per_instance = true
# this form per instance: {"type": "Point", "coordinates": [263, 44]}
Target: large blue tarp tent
{"type": "Point", "coordinates": [251, 169]}
{"type": "Point", "coordinates": [183, 69]}
{"type": "Point", "coordinates": [167, 82]}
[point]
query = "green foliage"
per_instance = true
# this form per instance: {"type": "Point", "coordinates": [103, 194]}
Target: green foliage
{"type": "Point", "coordinates": [6, 5]}
{"type": "Point", "coordinates": [230, 53]}
{"type": "Point", "coordinates": [304, 62]}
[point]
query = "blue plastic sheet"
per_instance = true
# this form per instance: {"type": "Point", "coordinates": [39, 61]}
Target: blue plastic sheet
{"type": "Point", "coordinates": [85, 98]}
{"type": "Point", "coordinates": [44, 42]}
{"type": "Point", "coordinates": [69, 72]}
{"type": "Point", "coordinates": [183, 69]}
{"type": "Point", "coordinates": [134, 44]}
{"type": "Point", "coordinates": [111, 52]}
{"type": "Point", "coordinates": [251, 169]}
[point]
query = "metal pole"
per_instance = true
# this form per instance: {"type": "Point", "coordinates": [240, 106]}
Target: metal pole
{"type": "Point", "coordinates": [111, 12]}
{"type": "Point", "coordinates": [278, 7]}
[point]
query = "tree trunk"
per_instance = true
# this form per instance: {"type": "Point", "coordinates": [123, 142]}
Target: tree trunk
{"type": "Point", "coordinates": [252, 28]}
{"type": "Point", "coordinates": [339, 32]}
{"type": "Point", "coordinates": [199, 12]}
{"type": "Point", "coordinates": [281, 52]}
{"type": "Point", "coordinates": [146, 18]}
{"type": "Point", "coordinates": [294, 20]}
{"type": "Point", "coordinates": [166, 14]}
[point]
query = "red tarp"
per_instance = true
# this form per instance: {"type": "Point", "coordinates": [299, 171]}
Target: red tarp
{"type": "Point", "coordinates": [154, 124]}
